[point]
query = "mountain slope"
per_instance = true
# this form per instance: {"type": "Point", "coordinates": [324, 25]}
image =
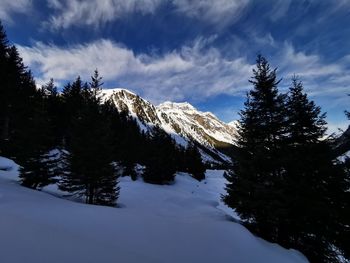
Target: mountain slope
{"type": "Point", "coordinates": [204, 127]}
{"type": "Point", "coordinates": [181, 120]}
{"type": "Point", "coordinates": [184, 222]}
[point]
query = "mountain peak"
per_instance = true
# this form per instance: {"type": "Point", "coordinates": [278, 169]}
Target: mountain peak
{"type": "Point", "coordinates": [109, 92]}
{"type": "Point", "coordinates": [181, 120]}
{"type": "Point", "coordinates": [173, 106]}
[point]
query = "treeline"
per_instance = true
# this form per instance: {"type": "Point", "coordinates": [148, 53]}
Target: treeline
{"type": "Point", "coordinates": [75, 139]}
{"type": "Point", "coordinates": [285, 184]}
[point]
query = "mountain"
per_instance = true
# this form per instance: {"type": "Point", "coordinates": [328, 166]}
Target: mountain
{"type": "Point", "coordinates": [182, 121]}
{"type": "Point", "coordinates": [203, 127]}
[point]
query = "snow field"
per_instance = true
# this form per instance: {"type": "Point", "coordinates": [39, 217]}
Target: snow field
{"type": "Point", "coordinates": [183, 222]}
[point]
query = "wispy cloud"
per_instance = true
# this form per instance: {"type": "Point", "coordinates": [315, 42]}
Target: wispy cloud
{"type": "Point", "coordinates": [197, 70]}
{"type": "Point", "coordinates": [320, 78]}
{"type": "Point", "coordinates": [10, 7]}
{"type": "Point", "coordinates": [194, 71]}
{"type": "Point", "coordinates": [98, 12]}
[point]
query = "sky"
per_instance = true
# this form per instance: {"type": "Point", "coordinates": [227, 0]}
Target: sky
{"type": "Point", "coordinates": [199, 51]}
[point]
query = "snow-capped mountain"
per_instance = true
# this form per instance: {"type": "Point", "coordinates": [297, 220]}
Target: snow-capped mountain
{"type": "Point", "coordinates": [142, 110]}
{"type": "Point", "coordinates": [181, 120]}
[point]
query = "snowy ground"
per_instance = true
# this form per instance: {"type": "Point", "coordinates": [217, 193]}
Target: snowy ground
{"type": "Point", "coordinates": [184, 222]}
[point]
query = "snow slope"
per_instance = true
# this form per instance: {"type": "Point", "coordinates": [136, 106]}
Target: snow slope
{"type": "Point", "coordinates": [184, 222]}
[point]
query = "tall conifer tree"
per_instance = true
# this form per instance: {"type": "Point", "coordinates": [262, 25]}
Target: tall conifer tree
{"type": "Point", "coordinates": [315, 184]}
{"type": "Point", "coordinates": [89, 172]}
{"type": "Point", "coordinates": [253, 188]}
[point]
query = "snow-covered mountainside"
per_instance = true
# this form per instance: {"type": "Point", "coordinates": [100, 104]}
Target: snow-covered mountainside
{"type": "Point", "coordinates": [181, 120]}
{"type": "Point", "coordinates": [142, 110]}
{"type": "Point", "coordinates": [184, 222]}
{"type": "Point", "coordinates": [204, 127]}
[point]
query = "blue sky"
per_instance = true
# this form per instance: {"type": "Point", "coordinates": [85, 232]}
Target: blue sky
{"type": "Point", "coordinates": [181, 50]}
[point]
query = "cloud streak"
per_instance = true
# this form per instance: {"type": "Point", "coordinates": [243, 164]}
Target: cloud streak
{"type": "Point", "coordinates": [193, 71]}
{"type": "Point", "coordinates": [9, 7]}
{"type": "Point", "coordinates": [319, 78]}
{"type": "Point", "coordinates": [95, 13]}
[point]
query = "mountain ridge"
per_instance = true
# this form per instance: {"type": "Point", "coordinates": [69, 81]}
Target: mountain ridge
{"type": "Point", "coordinates": [179, 119]}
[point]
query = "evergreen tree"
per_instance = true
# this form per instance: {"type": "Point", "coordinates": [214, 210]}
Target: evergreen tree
{"type": "Point", "coordinates": [90, 172]}
{"type": "Point", "coordinates": [285, 184]}
{"type": "Point", "coordinates": [306, 124]}
{"type": "Point", "coordinates": [23, 130]}
{"type": "Point", "coordinates": [314, 185]}
{"type": "Point", "coordinates": [161, 163]}
{"type": "Point", "coordinates": [194, 162]}
{"type": "Point", "coordinates": [253, 188]}
{"type": "Point", "coordinates": [4, 43]}
{"type": "Point", "coordinates": [55, 110]}
{"type": "Point", "coordinates": [38, 164]}
{"type": "Point", "coordinates": [95, 84]}
{"type": "Point", "coordinates": [127, 141]}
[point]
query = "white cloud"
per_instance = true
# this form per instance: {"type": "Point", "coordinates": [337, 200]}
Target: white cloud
{"type": "Point", "coordinates": [319, 77]}
{"type": "Point", "coordinates": [308, 66]}
{"type": "Point", "coordinates": [194, 71]}
{"type": "Point", "coordinates": [9, 7]}
{"type": "Point", "coordinates": [98, 12]}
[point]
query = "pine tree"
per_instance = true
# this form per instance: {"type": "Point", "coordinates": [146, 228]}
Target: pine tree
{"type": "Point", "coordinates": [194, 162]}
{"type": "Point", "coordinates": [96, 83]}
{"type": "Point", "coordinates": [38, 162]}
{"type": "Point", "coordinates": [253, 185]}
{"type": "Point", "coordinates": [90, 172]}
{"type": "Point", "coordinates": [306, 124]}
{"type": "Point", "coordinates": [315, 184]}
{"type": "Point", "coordinates": [161, 163]}
{"type": "Point", "coordinates": [23, 118]}
{"type": "Point", "coordinates": [285, 184]}
{"type": "Point", "coordinates": [4, 43]}
{"type": "Point", "coordinates": [55, 110]}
